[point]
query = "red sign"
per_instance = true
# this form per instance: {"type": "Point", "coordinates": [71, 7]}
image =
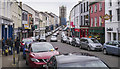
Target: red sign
{"type": "Point", "coordinates": [71, 24]}
{"type": "Point", "coordinates": [77, 30]}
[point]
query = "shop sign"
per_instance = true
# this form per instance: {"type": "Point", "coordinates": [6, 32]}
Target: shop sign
{"type": "Point", "coordinates": [109, 29]}
{"type": "Point", "coordinates": [106, 17]}
{"type": "Point", "coordinates": [77, 30]}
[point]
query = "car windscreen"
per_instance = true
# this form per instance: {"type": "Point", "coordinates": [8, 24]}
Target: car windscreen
{"type": "Point", "coordinates": [53, 37]}
{"type": "Point", "coordinates": [93, 41]}
{"type": "Point", "coordinates": [42, 47]}
{"type": "Point", "coordinates": [27, 40]}
{"type": "Point", "coordinates": [96, 63]}
{"type": "Point", "coordinates": [77, 40]}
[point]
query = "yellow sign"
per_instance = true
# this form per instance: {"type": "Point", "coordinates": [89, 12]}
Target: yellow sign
{"type": "Point", "coordinates": [106, 17]}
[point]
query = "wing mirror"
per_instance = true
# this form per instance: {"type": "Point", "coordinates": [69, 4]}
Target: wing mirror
{"type": "Point", "coordinates": [56, 48]}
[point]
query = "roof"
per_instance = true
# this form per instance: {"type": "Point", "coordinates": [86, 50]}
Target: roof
{"type": "Point", "coordinates": [75, 58]}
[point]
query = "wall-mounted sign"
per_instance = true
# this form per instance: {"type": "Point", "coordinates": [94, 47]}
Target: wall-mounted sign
{"type": "Point", "coordinates": [106, 17]}
{"type": "Point", "coordinates": [109, 29]}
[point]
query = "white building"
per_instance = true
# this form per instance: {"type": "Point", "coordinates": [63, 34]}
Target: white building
{"type": "Point", "coordinates": [112, 7]}
{"type": "Point", "coordinates": [5, 19]}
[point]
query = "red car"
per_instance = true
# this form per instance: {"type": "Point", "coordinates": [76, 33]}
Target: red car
{"type": "Point", "coordinates": [39, 53]}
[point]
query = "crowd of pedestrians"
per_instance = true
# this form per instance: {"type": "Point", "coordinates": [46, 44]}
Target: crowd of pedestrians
{"type": "Point", "coordinates": [7, 46]}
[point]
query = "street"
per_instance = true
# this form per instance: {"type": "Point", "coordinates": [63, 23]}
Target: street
{"type": "Point", "coordinates": [111, 60]}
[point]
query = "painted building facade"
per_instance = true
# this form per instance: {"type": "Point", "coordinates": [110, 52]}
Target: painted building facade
{"type": "Point", "coordinates": [97, 22]}
{"type": "Point", "coordinates": [112, 26]}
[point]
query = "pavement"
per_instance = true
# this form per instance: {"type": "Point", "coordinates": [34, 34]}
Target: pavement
{"type": "Point", "coordinates": [7, 61]}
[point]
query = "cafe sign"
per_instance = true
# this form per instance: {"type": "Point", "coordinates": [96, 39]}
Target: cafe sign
{"type": "Point", "coordinates": [106, 17]}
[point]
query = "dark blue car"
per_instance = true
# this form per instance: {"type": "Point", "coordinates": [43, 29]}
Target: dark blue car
{"type": "Point", "coordinates": [112, 47]}
{"type": "Point", "coordinates": [24, 48]}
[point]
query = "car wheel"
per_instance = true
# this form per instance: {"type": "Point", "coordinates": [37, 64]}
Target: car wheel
{"type": "Point", "coordinates": [26, 62]}
{"type": "Point", "coordinates": [105, 51]}
{"type": "Point", "coordinates": [80, 47]}
{"type": "Point", "coordinates": [75, 45]}
{"type": "Point", "coordinates": [88, 48]}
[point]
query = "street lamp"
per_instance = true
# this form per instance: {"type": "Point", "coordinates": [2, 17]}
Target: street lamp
{"type": "Point", "coordinates": [39, 27]}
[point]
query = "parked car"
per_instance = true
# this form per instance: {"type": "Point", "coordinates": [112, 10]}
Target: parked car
{"type": "Point", "coordinates": [75, 61]}
{"type": "Point", "coordinates": [55, 34]}
{"type": "Point", "coordinates": [76, 42]}
{"type": "Point", "coordinates": [64, 39]}
{"type": "Point", "coordinates": [42, 39]}
{"type": "Point", "coordinates": [39, 53]}
{"type": "Point", "coordinates": [34, 39]}
{"type": "Point", "coordinates": [26, 47]}
{"type": "Point", "coordinates": [37, 38]}
{"type": "Point", "coordinates": [112, 47]}
{"type": "Point", "coordinates": [90, 44]}
{"type": "Point", "coordinates": [53, 39]}
{"type": "Point", "coordinates": [24, 41]}
{"type": "Point", "coordinates": [69, 40]}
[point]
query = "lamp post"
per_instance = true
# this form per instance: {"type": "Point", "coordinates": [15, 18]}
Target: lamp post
{"type": "Point", "coordinates": [39, 27]}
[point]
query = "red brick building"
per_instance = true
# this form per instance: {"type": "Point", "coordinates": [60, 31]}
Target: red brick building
{"type": "Point", "coordinates": [97, 23]}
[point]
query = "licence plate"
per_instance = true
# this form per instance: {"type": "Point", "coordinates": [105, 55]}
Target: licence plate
{"type": "Point", "coordinates": [44, 65]}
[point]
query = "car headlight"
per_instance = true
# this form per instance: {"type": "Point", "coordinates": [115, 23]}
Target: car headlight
{"type": "Point", "coordinates": [34, 60]}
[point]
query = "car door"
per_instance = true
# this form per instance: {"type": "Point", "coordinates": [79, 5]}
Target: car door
{"type": "Point", "coordinates": [115, 48]}
{"type": "Point", "coordinates": [86, 43]}
{"type": "Point", "coordinates": [109, 47]}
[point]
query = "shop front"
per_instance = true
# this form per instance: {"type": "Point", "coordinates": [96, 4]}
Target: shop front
{"type": "Point", "coordinates": [77, 32]}
{"type": "Point", "coordinates": [98, 33]}
{"type": "Point", "coordinates": [84, 32]}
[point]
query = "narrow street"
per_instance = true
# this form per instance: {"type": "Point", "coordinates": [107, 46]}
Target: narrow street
{"type": "Point", "coordinates": [111, 60]}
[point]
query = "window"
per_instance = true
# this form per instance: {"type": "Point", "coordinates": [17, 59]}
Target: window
{"type": "Point", "coordinates": [114, 36]}
{"type": "Point", "coordinates": [100, 6]}
{"type": "Point", "coordinates": [91, 22]}
{"type": "Point", "coordinates": [110, 13]}
{"type": "Point", "coordinates": [110, 2]}
{"type": "Point", "coordinates": [84, 7]}
{"type": "Point", "coordinates": [22, 16]}
{"type": "Point", "coordinates": [95, 21]}
{"type": "Point", "coordinates": [118, 2]}
{"type": "Point", "coordinates": [91, 9]}
{"type": "Point", "coordinates": [87, 6]}
{"type": "Point", "coordinates": [84, 20]}
{"type": "Point", "coordinates": [100, 21]}
{"type": "Point", "coordinates": [118, 14]}
{"type": "Point", "coordinates": [81, 21]}
{"type": "Point", "coordinates": [81, 8]}
{"type": "Point", "coordinates": [95, 10]}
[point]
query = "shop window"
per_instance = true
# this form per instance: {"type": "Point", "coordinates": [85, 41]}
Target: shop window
{"type": "Point", "coordinates": [114, 36]}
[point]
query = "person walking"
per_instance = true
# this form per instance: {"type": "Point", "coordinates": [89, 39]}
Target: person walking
{"type": "Point", "coordinates": [10, 46]}
{"type": "Point", "coordinates": [17, 44]}
{"type": "Point", "coordinates": [3, 45]}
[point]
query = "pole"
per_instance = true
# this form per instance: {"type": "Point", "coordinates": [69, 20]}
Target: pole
{"type": "Point", "coordinates": [13, 47]}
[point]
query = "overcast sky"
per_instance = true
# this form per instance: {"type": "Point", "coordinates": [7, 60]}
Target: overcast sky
{"type": "Point", "coordinates": [51, 5]}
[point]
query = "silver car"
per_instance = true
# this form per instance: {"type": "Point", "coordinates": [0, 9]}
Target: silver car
{"type": "Point", "coordinates": [90, 44]}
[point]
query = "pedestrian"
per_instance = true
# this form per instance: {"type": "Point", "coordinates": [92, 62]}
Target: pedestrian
{"type": "Point", "coordinates": [17, 45]}
{"type": "Point", "coordinates": [10, 46]}
{"type": "Point", "coordinates": [3, 45]}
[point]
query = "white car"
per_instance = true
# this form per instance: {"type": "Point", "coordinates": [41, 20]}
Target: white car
{"type": "Point", "coordinates": [42, 38]}
{"type": "Point", "coordinates": [55, 34]}
{"type": "Point", "coordinates": [34, 39]}
{"type": "Point", "coordinates": [69, 40]}
{"type": "Point", "coordinates": [64, 39]}
{"type": "Point", "coordinates": [53, 38]}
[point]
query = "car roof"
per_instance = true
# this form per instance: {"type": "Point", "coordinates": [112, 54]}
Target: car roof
{"type": "Point", "coordinates": [87, 38]}
{"type": "Point", "coordinates": [41, 43]}
{"type": "Point", "coordinates": [75, 58]}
